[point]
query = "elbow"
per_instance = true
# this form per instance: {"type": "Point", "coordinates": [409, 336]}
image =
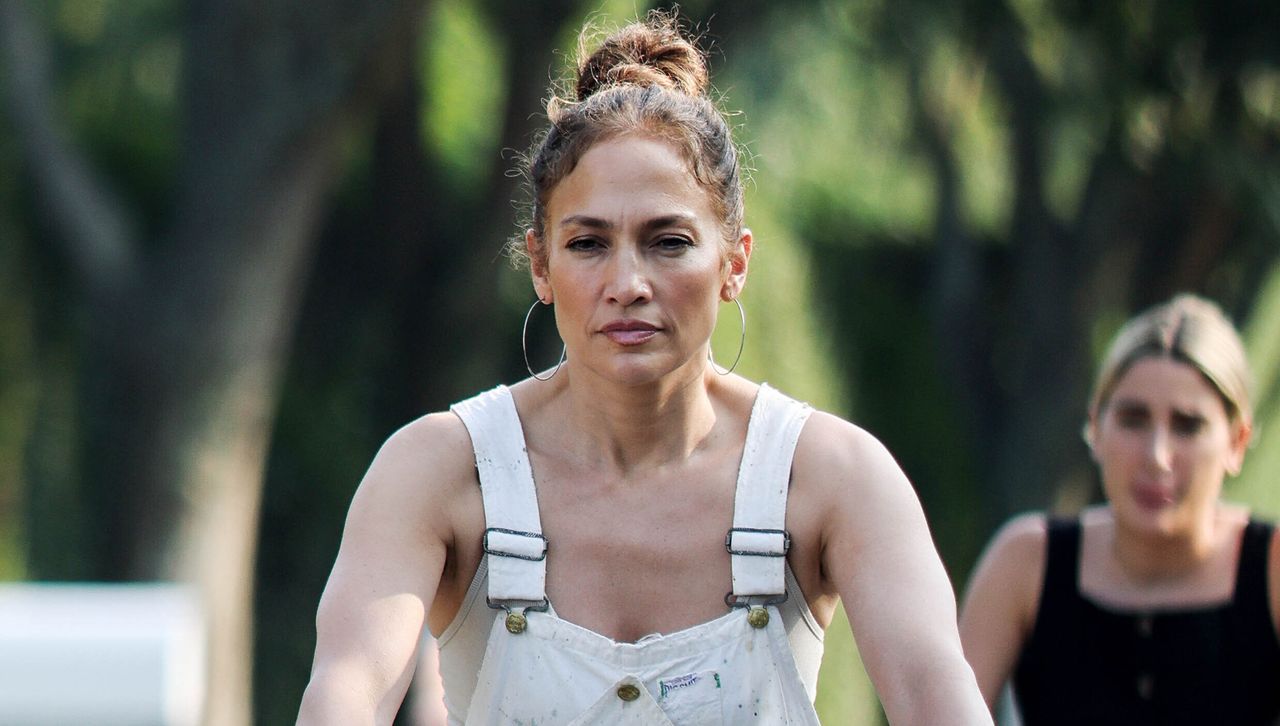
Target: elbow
{"type": "Point", "coordinates": [332, 700]}
{"type": "Point", "coordinates": [941, 691]}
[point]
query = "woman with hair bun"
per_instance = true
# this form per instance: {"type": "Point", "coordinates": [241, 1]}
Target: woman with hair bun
{"type": "Point", "coordinates": [635, 535]}
{"type": "Point", "coordinates": [1161, 606]}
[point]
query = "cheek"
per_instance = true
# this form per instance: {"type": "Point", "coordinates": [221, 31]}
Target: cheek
{"type": "Point", "coordinates": [1214, 457]}
{"type": "Point", "coordinates": [694, 284]}
{"type": "Point", "coordinates": [1112, 467]}
{"type": "Point", "coordinates": [1120, 459]}
{"type": "Point", "coordinates": [566, 278]}
{"type": "Point", "coordinates": [1116, 448]}
{"type": "Point", "coordinates": [705, 302]}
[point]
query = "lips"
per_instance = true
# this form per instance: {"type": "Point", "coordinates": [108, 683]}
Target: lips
{"type": "Point", "coordinates": [1153, 496]}
{"type": "Point", "coordinates": [630, 332]}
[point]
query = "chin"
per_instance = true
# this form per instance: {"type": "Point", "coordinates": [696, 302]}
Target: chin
{"type": "Point", "coordinates": [639, 370]}
{"type": "Point", "coordinates": [631, 370]}
{"type": "Point", "coordinates": [1163, 522]}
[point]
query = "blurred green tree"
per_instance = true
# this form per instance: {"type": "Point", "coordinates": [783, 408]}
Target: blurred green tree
{"type": "Point", "coordinates": [271, 232]}
{"type": "Point", "coordinates": [185, 309]}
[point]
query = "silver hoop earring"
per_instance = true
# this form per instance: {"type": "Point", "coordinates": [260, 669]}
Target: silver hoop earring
{"type": "Point", "coordinates": [524, 346]}
{"type": "Point", "coordinates": [742, 342]}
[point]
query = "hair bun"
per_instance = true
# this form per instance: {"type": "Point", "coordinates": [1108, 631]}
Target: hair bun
{"type": "Point", "coordinates": [652, 52]}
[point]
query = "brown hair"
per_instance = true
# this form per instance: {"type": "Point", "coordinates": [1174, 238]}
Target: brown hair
{"type": "Point", "coordinates": [648, 78]}
{"type": "Point", "coordinates": [1189, 329]}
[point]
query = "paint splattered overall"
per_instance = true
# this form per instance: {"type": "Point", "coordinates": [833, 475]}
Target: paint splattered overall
{"type": "Point", "coordinates": [540, 670]}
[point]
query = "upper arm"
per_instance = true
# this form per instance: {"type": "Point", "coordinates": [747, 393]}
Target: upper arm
{"type": "Point", "coordinates": [879, 556]}
{"type": "Point", "coordinates": [386, 574]}
{"type": "Point", "coordinates": [1001, 601]}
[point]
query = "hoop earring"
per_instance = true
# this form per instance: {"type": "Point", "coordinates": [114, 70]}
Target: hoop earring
{"type": "Point", "coordinates": [524, 346]}
{"type": "Point", "coordinates": [742, 342]}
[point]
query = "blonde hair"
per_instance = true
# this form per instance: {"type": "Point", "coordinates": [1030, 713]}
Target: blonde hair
{"type": "Point", "coordinates": [1189, 329]}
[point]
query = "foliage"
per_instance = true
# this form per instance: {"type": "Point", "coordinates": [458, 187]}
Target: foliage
{"type": "Point", "coordinates": [954, 205]}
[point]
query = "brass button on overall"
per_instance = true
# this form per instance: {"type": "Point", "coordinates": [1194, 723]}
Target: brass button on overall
{"type": "Point", "coordinates": [516, 623]}
{"type": "Point", "coordinates": [758, 617]}
{"type": "Point", "coordinates": [628, 692]}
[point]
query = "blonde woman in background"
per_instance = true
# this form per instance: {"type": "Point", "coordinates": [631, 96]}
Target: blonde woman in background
{"type": "Point", "coordinates": [1160, 606]}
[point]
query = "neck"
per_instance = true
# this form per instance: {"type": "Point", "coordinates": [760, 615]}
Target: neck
{"type": "Point", "coordinates": [627, 429]}
{"type": "Point", "coordinates": [1146, 557]}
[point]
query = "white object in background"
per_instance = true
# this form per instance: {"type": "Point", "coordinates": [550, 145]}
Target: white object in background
{"type": "Point", "coordinates": [102, 654]}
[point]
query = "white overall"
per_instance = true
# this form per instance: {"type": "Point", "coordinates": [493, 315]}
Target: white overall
{"type": "Point", "coordinates": [540, 670]}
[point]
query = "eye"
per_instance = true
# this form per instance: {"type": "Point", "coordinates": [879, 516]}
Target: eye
{"type": "Point", "coordinates": [1187, 424]}
{"type": "Point", "coordinates": [673, 243]}
{"type": "Point", "coordinates": [1131, 418]}
{"type": "Point", "coordinates": [583, 244]}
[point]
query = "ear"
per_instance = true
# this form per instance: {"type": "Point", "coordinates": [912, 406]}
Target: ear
{"type": "Point", "coordinates": [1241, 433]}
{"type": "Point", "coordinates": [1090, 435]}
{"type": "Point", "coordinates": [736, 264]}
{"type": "Point", "coordinates": [538, 268]}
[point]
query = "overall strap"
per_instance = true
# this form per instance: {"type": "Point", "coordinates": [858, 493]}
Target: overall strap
{"type": "Point", "coordinates": [758, 541]}
{"type": "Point", "coordinates": [513, 541]}
{"type": "Point", "coordinates": [1251, 571]}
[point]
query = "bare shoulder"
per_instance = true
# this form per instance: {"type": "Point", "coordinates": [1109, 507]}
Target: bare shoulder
{"type": "Point", "coordinates": [849, 493]}
{"type": "Point", "coordinates": [1014, 559]}
{"type": "Point", "coordinates": [1011, 569]}
{"type": "Point", "coordinates": [833, 449]}
{"type": "Point", "coordinates": [1001, 601]}
{"type": "Point", "coordinates": [849, 486]}
{"type": "Point", "coordinates": [419, 473]}
{"type": "Point", "coordinates": [876, 553]}
{"type": "Point", "coordinates": [432, 449]}
{"type": "Point", "coordinates": [438, 439]}
{"type": "Point", "coordinates": [1022, 540]}
{"type": "Point", "coordinates": [417, 502]}
{"type": "Point", "coordinates": [388, 573]}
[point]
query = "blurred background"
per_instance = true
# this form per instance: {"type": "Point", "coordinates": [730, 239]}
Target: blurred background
{"type": "Point", "coordinates": [242, 241]}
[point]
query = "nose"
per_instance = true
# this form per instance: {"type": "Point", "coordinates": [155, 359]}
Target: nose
{"type": "Point", "coordinates": [628, 281]}
{"type": "Point", "coordinates": [1161, 451]}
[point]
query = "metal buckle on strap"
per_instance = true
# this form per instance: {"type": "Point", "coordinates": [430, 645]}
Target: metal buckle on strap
{"type": "Point", "coordinates": [516, 622]}
{"type": "Point", "coordinates": [746, 601]}
{"type": "Point", "coordinates": [537, 607]}
{"type": "Point", "coordinates": [518, 555]}
{"type": "Point", "coordinates": [786, 542]}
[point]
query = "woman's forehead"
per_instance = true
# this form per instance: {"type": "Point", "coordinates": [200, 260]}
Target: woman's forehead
{"type": "Point", "coordinates": [1165, 381]}
{"type": "Point", "coordinates": [632, 175]}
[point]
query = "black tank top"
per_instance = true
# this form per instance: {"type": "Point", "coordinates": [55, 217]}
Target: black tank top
{"type": "Point", "coordinates": [1089, 664]}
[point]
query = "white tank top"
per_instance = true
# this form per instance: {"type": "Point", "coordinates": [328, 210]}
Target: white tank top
{"type": "Point", "coordinates": [515, 661]}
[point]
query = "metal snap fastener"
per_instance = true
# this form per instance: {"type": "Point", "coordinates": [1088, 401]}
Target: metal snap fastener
{"type": "Point", "coordinates": [1146, 684]}
{"type": "Point", "coordinates": [758, 617]}
{"type": "Point", "coordinates": [1145, 626]}
{"type": "Point", "coordinates": [628, 692]}
{"type": "Point", "coordinates": [516, 623]}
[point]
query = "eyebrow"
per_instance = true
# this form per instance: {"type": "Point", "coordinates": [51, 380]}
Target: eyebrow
{"type": "Point", "coordinates": [666, 220]}
{"type": "Point", "coordinates": [1129, 405]}
{"type": "Point", "coordinates": [1125, 405]}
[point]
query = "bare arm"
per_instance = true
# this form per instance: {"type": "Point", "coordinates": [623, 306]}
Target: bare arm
{"type": "Point", "coordinates": [1002, 599]}
{"type": "Point", "coordinates": [386, 575]}
{"type": "Point", "coordinates": [880, 558]}
{"type": "Point", "coordinates": [428, 686]}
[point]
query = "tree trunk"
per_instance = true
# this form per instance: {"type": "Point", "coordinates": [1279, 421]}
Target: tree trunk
{"type": "Point", "coordinates": [187, 343]}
